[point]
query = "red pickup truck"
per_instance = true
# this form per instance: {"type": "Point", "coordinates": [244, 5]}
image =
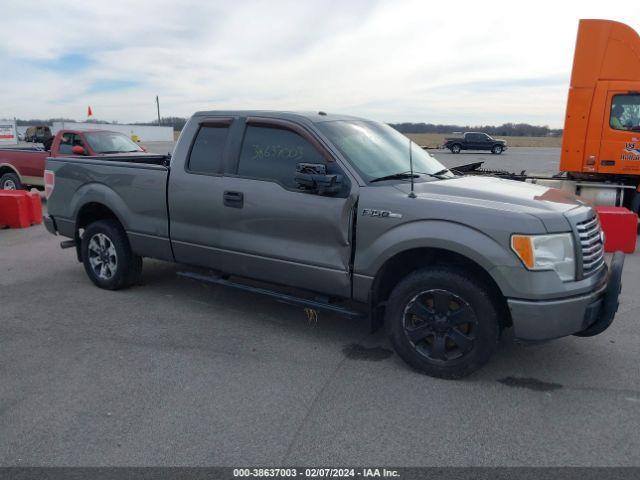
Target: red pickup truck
{"type": "Point", "coordinates": [23, 167]}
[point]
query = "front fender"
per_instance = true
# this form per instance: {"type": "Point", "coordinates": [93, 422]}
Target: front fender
{"type": "Point", "coordinates": [454, 237]}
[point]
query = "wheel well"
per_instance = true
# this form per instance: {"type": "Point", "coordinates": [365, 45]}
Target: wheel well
{"type": "Point", "coordinates": [89, 213]}
{"type": "Point", "coordinates": [402, 264]}
{"type": "Point", "coordinates": [92, 212]}
{"type": "Point", "coordinates": [6, 169]}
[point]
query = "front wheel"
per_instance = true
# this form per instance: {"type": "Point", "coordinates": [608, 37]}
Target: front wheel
{"type": "Point", "coordinates": [107, 256]}
{"type": "Point", "coordinates": [497, 149]}
{"type": "Point", "coordinates": [442, 322]}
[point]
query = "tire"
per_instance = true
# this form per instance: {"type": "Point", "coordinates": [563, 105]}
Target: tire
{"type": "Point", "coordinates": [455, 148]}
{"type": "Point", "coordinates": [107, 256]}
{"type": "Point", "coordinates": [438, 341]}
{"type": "Point", "coordinates": [497, 149]}
{"type": "Point", "coordinates": [10, 181]}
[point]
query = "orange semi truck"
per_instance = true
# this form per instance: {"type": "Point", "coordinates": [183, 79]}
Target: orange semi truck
{"type": "Point", "coordinates": [600, 158]}
{"type": "Point", "coordinates": [601, 143]}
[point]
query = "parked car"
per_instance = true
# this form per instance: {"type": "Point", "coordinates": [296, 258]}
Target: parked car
{"type": "Point", "coordinates": [337, 210]}
{"type": "Point", "coordinates": [475, 141]}
{"type": "Point", "coordinates": [23, 167]}
{"type": "Point", "coordinates": [38, 134]}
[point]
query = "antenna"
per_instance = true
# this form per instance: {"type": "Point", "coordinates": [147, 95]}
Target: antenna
{"type": "Point", "coordinates": [411, 193]}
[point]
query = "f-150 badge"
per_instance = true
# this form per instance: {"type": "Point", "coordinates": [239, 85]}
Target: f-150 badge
{"type": "Point", "coordinates": [370, 212]}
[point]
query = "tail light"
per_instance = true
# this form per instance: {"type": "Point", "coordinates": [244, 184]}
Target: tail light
{"type": "Point", "coordinates": [49, 182]}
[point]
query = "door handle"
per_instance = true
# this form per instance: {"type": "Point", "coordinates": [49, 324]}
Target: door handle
{"type": "Point", "coordinates": [233, 199]}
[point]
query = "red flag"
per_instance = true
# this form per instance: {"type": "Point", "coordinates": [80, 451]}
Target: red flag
{"type": "Point", "coordinates": [89, 112]}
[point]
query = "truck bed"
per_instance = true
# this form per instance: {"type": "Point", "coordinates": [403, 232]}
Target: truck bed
{"type": "Point", "coordinates": [133, 185]}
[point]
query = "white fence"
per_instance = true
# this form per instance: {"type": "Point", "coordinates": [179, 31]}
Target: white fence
{"type": "Point", "coordinates": [145, 133]}
{"type": "Point", "coordinates": [8, 133]}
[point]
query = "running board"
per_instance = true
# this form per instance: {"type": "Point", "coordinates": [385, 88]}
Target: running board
{"type": "Point", "coordinates": [278, 296]}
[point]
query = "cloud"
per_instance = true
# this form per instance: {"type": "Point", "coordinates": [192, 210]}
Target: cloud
{"type": "Point", "coordinates": [406, 60]}
{"type": "Point", "coordinates": [69, 63]}
{"type": "Point", "coordinates": [100, 86]}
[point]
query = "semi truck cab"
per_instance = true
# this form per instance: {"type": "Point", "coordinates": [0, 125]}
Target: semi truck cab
{"type": "Point", "coordinates": [601, 141]}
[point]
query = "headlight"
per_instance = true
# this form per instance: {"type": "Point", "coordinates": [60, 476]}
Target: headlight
{"type": "Point", "coordinates": [547, 252]}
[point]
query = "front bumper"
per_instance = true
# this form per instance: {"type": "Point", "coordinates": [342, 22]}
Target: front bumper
{"type": "Point", "coordinates": [585, 315]}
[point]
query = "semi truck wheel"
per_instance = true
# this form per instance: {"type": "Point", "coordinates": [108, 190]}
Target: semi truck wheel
{"type": "Point", "coordinates": [497, 149]}
{"type": "Point", "coordinates": [455, 148]}
{"type": "Point", "coordinates": [442, 322]}
{"type": "Point", "coordinates": [10, 181]}
{"type": "Point", "coordinates": [107, 256]}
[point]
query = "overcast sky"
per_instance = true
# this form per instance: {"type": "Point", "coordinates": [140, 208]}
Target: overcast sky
{"type": "Point", "coordinates": [480, 62]}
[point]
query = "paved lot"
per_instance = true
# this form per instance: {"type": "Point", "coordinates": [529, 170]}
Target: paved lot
{"type": "Point", "coordinates": [533, 160]}
{"type": "Point", "coordinates": [174, 372]}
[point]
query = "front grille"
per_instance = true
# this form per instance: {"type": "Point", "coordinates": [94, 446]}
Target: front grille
{"type": "Point", "coordinates": [590, 237]}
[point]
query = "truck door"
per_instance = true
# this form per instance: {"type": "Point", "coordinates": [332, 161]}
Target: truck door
{"type": "Point", "coordinates": [194, 192]}
{"type": "Point", "coordinates": [271, 230]}
{"type": "Point", "coordinates": [620, 146]}
{"type": "Point", "coordinates": [484, 142]}
{"type": "Point", "coordinates": [473, 141]}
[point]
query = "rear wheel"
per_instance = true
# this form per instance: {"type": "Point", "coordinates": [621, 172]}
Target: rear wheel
{"type": "Point", "coordinates": [455, 148]}
{"type": "Point", "coordinates": [10, 181]}
{"type": "Point", "coordinates": [443, 322]}
{"type": "Point", "coordinates": [497, 149]}
{"type": "Point", "coordinates": [107, 256]}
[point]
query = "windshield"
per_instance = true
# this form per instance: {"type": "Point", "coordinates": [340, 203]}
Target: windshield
{"type": "Point", "coordinates": [111, 142]}
{"type": "Point", "coordinates": [376, 150]}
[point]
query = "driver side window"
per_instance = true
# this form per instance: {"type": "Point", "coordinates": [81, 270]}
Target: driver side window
{"type": "Point", "coordinates": [270, 153]}
{"type": "Point", "coordinates": [625, 112]}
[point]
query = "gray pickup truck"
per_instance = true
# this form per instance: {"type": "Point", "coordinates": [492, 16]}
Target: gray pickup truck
{"type": "Point", "coordinates": [343, 214]}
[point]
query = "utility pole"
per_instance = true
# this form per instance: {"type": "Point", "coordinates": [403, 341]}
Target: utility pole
{"type": "Point", "coordinates": [158, 105]}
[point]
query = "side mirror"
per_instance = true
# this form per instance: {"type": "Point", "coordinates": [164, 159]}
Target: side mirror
{"type": "Point", "coordinates": [78, 150]}
{"type": "Point", "coordinates": [313, 178]}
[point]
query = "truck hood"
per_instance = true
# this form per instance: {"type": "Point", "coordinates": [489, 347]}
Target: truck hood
{"type": "Point", "coordinates": [548, 204]}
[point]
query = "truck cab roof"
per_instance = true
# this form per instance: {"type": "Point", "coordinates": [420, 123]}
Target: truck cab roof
{"type": "Point", "coordinates": [304, 116]}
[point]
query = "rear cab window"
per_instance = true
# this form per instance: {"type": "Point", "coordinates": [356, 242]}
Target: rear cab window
{"type": "Point", "coordinates": [206, 156]}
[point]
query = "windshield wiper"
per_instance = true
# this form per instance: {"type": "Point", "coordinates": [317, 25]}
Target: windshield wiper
{"type": "Point", "coordinates": [407, 175]}
{"type": "Point", "coordinates": [395, 176]}
{"type": "Point", "coordinates": [439, 172]}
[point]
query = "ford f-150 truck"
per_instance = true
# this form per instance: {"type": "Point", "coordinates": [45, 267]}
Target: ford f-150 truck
{"type": "Point", "coordinates": [475, 141]}
{"type": "Point", "coordinates": [350, 217]}
{"type": "Point", "coordinates": [23, 167]}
